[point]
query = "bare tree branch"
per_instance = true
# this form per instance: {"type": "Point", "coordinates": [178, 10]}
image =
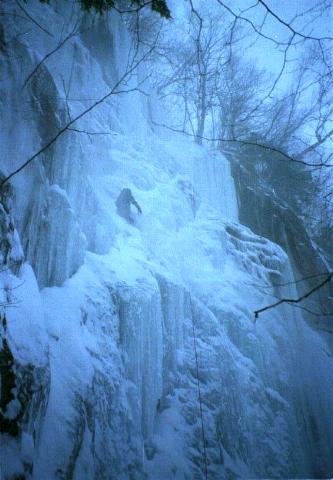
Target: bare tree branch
{"type": "Point", "coordinates": [283, 154]}
{"type": "Point", "coordinates": [316, 144]}
{"type": "Point", "coordinates": [279, 19]}
{"type": "Point", "coordinates": [113, 91]}
{"type": "Point", "coordinates": [58, 47]}
{"type": "Point", "coordinates": [288, 25]}
{"type": "Point", "coordinates": [286, 284]}
{"type": "Point", "coordinates": [248, 21]}
{"type": "Point", "coordinates": [32, 19]}
{"type": "Point", "coordinates": [295, 300]}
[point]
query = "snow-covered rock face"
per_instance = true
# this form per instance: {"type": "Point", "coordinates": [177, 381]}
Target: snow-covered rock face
{"type": "Point", "coordinates": [143, 357]}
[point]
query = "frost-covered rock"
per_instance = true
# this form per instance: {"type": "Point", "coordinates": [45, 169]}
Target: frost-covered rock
{"type": "Point", "coordinates": [24, 369]}
{"type": "Point", "coordinates": [11, 253]}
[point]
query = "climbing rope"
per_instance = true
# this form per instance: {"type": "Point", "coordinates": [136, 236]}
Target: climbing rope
{"type": "Point", "coordinates": [199, 396]}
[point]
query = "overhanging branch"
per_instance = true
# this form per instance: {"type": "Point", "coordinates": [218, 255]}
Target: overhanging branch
{"type": "Point", "coordinates": [283, 154]}
{"type": "Point", "coordinates": [295, 300]}
{"type": "Point", "coordinates": [113, 91]}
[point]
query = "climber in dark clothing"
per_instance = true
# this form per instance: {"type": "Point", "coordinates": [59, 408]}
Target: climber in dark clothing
{"type": "Point", "coordinates": [124, 202]}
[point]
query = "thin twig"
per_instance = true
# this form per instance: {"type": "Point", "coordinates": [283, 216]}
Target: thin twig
{"type": "Point", "coordinates": [286, 24]}
{"type": "Point", "coordinates": [35, 70]}
{"type": "Point", "coordinates": [32, 19]}
{"type": "Point", "coordinates": [77, 130]}
{"type": "Point", "coordinates": [113, 91]}
{"type": "Point", "coordinates": [246, 143]}
{"type": "Point", "coordinates": [295, 300]}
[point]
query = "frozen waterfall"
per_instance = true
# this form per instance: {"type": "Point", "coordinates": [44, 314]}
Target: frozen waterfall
{"type": "Point", "coordinates": [113, 319]}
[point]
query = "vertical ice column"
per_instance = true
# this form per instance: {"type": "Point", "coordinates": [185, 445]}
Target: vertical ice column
{"type": "Point", "coordinates": [54, 243]}
{"type": "Point", "coordinates": [175, 302]}
{"type": "Point", "coordinates": [213, 181]}
{"type": "Point", "coordinates": [141, 340]}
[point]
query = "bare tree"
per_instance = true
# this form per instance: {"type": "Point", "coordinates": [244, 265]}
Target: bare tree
{"type": "Point", "coordinates": [194, 64]}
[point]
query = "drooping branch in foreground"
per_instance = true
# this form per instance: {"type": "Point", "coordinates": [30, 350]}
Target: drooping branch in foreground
{"type": "Point", "coordinates": [283, 155]}
{"type": "Point", "coordinates": [67, 127]}
{"type": "Point", "coordinates": [295, 300]}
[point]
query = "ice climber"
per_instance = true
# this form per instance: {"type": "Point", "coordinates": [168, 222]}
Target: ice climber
{"type": "Point", "coordinates": [124, 202]}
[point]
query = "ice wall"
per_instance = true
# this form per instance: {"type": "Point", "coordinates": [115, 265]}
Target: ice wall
{"type": "Point", "coordinates": [129, 321]}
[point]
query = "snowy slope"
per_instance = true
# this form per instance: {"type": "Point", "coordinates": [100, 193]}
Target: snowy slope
{"type": "Point", "coordinates": [130, 321]}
